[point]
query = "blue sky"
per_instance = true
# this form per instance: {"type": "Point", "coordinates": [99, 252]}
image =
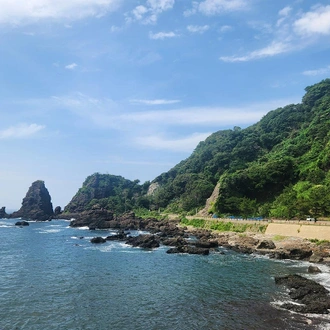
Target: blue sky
{"type": "Point", "coordinates": [130, 87]}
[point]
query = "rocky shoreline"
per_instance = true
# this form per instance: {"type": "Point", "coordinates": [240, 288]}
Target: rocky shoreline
{"type": "Point", "coordinates": [307, 295]}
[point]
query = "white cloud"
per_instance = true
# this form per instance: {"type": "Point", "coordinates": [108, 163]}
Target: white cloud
{"type": "Point", "coordinates": [273, 49]}
{"type": "Point", "coordinates": [21, 11]}
{"type": "Point", "coordinates": [162, 35]}
{"type": "Point", "coordinates": [185, 144]}
{"type": "Point", "coordinates": [191, 11]}
{"type": "Point", "coordinates": [149, 13]}
{"type": "Point", "coordinates": [285, 11]}
{"type": "Point", "coordinates": [214, 7]}
{"type": "Point", "coordinates": [154, 102]}
{"type": "Point", "coordinates": [225, 28]}
{"type": "Point", "coordinates": [20, 131]}
{"type": "Point", "coordinates": [317, 72]}
{"type": "Point", "coordinates": [197, 28]}
{"type": "Point", "coordinates": [314, 22]}
{"type": "Point", "coordinates": [71, 66]}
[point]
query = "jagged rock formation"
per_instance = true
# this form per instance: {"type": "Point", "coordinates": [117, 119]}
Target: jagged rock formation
{"type": "Point", "coordinates": [36, 204]}
{"type": "Point", "coordinates": [3, 214]}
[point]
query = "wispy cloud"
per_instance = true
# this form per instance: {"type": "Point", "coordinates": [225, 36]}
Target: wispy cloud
{"type": "Point", "coordinates": [159, 142]}
{"type": "Point", "coordinates": [216, 7]}
{"type": "Point", "coordinates": [22, 12]}
{"type": "Point", "coordinates": [317, 72]}
{"type": "Point", "coordinates": [198, 28]}
{"type": "Point", "coordinates": [20, 131]}
{"type": "Point", "coordinates": [274, 48]}
{"type": "Point", "coordinates": [163, 35]}
{"type": "Point", "coordinates": [150, 11]}
{"type": "Point", "coordinates": [290, 34]}
{"type": "Point", "coordinates": [154, 102]}
{"type": "Point", "coordinates": [71, 66]}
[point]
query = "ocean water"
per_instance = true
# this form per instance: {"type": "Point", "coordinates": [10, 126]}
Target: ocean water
{"type": "Point", "coordinates": [52, 277]}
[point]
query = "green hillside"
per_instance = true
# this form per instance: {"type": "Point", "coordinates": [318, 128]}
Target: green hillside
{"type": "Point", "coordinates": [276, 167]}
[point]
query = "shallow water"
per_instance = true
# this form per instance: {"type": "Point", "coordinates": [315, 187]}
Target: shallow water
{"type": "Point", "coordinates": [52, 277]}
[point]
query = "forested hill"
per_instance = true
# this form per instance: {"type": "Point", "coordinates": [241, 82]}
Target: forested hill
{"type": "Point", "coordinates": [276, 167]}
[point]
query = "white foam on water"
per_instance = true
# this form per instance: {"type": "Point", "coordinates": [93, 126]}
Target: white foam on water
{"type": "Point", "coordinates": [49, 231]}
{"type": "Point", "coordinates": [81, 228]}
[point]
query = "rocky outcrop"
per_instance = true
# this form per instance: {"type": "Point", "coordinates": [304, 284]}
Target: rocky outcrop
{"type": "Point", "coordinates": [36, 204]}
{"type": "Point", "coordinates": [57, 211]}
{"type": "Point", "coordinates": [97, 218]}
{"type": "Point", "coordinates": [209, 202]}
{"type": "Point", "coordinates": [3, 214]}
{"type": "Point", "coordinates": [22, 223]}
{"type": "Point", "coordinates": [144, 241]}
{"type": "Point", "coordinates": [310, 296]}
{"type": "Point", "coordinates": [189, 249]}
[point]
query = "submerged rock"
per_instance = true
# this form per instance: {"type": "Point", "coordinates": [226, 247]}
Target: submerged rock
{"type": "Point", "coordinates": [189, 249]}
{"type": "Point", "coordinates": [36, 205]}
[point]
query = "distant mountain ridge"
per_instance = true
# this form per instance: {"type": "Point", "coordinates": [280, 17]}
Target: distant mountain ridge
{"type": "Point", "coordinates": [276, 167]}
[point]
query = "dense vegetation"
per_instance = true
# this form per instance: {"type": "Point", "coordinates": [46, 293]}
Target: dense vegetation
{"type": "Point", "coordinates": [277, 167]}
{"type": "Point", "coordinates": [110, 192]}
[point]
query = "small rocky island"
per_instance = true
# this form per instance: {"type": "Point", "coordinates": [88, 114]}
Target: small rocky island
{"type": "Point", "coordinates": [36, 205]}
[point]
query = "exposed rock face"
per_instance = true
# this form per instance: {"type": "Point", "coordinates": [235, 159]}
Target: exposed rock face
{"type": "Point", "coordinates": [22, 223]}
{"type": "Point", "coordinates": [205, 211]}
{"type": "Point", "coordinates": [57, 210]}
{"type": "Point", "coordinates": [3, 214]}
{"type": "Point", "coordinates": [36, 204]}
{"type": "Point", "coordinates": [313, 297]}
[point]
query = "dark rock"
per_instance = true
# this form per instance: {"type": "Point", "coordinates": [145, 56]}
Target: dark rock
{"type": "Point", "coordinates": [189, 249]}
{"type": "Point", "coordinates": [312, 296]}
{"type": "Point", "coordinates": [57, 210]}
{"type": "Point", "coordinates": [95, 218]}
{"type": "Point", "coordinates": [266, 244]}
{"type": "Point", "coordinates": [97, 240]}
{"type": "Point", "coordinates": [174, 241]}
{"type": "Point", "coordinates": [316, 258]}
{"type": "Point", "coordinates": [314, 270]}
{"type": "Point", "coordinates": [120, 236]}
{"type": "Point", "coordinates": [36, 204]}
{"type": "Point", "coordinates": [22, 223]}
{"type": "Point", "coordinates": [144, 241]}
{"type": "Point", "coordinates": [3, 214]}
{"type": "Point", "coordinates": [207, 244]}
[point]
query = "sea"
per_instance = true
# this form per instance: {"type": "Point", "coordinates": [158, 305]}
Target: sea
{"type": "Point", "coordinates": [53, 277]}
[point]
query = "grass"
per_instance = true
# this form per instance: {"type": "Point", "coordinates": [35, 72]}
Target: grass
{"type": "Point", "coordinates": [319, 242]}
{"type": "Point", "coordinates": [224, 226]}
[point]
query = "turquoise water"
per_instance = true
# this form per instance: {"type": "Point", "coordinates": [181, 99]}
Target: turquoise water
{"type": "Point", "coordinates": [52, 277]}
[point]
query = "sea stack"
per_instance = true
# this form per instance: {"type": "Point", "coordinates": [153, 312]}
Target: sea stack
{"type": "Point", "coordinates": [3, 214]}
{"type": "Point", "coordinates": [36, 204]}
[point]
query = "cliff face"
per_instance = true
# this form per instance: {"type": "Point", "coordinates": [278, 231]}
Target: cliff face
{"type": "Point", "coordinates": [36, 204]}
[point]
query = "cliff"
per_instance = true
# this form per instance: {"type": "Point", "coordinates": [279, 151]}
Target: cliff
{"type": "Point", "coordinates": [36, 205]}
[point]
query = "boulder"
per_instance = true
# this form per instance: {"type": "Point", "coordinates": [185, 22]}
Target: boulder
{"type": "Point", "coordinates": [97, 240]}
{"type": "Point", "coordinates": [311, 296]}
{"type": "Point", "coordinates": [22, 223]}
{"type": "Point", "coordinates": [314, 270]}
{"type": "Point", "coordinates": [36, 205]}
{"type": "Point", "coordinates": [266, 244]}
{"type": "Point", "coordinates": [144, 241]}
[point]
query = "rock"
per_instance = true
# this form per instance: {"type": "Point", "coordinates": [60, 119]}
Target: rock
{"type": "Point", "coordinates": [316, 258]}
{"type": "Point", "coordinates": [95, 218]}
{"type": "Point", "coordinates": [266, 244]}
{"type": "Point", "coordinates": [312, 297]}
{"type": "Point", "coordinates": [97, 240]}
{"type": "Point", "coordinates": [22, 223]}
{"type": "Point", "coordinates": [189, 249]}
{"type": "Point", "coordinates": [57, 210]}
{"type": "Point", "coordinates": [3, 214]}
{"type": "Point", "coordinates": [144, 241]}
{"type": "Point", "coordinates": [36, 204]}
{"type": "Point", "coordinates": [314, 270]}
{"type": "Point", "coordinates": [120, 236]}
{"type": "Point", "coordinates": [243, 244]}
{"type": "Point", "coordinates": [174, 241]}
{"type": "Point", "coordinates": [207, 244]}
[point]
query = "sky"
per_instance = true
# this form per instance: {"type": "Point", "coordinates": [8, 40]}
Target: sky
{"type": "Point", "coordinates": [130, 87]}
